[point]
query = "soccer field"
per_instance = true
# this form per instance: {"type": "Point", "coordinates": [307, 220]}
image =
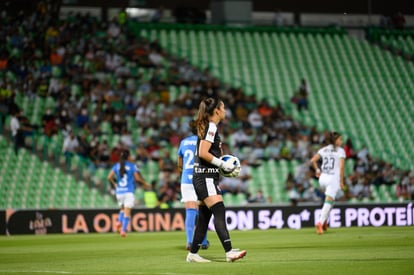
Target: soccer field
{"type": "Point", "coordinates": [365, 250]}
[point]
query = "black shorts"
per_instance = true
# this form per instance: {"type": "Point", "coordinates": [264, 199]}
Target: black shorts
{"type": "Point", "coordinates": [206, 185]}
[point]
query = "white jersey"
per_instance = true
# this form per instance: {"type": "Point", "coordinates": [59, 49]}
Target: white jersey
{"type": "Point", "coordinates": [330, 159]}
{"type": "Point", "coordinates": [330, 168]}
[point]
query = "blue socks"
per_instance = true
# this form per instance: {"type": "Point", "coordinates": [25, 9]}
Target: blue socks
{"type": "Point", "coordinates": [190, 221]}
{"type": "Point", "coordinates": [125, 223]}
{"type": "Point", "coordinates": [121, 216]}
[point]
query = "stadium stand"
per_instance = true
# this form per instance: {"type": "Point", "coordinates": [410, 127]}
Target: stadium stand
{"type": "Point", "coordinates": [266, 63]}
{"type": "Point", "coordinates": [400, 42]}
{"type": "Point", "coordinates": [271, 62]}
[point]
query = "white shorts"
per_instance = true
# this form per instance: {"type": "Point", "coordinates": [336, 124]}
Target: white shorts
{"type": "Point", "coordinates": [127, 200]}
{"type": "Point", "coordinates": [188, 193]}
{"type": "Point", "coordinates": [330, 184]}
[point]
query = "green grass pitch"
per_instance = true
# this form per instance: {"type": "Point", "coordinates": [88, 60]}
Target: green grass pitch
{"type": "Point", "coordinates": [365, 250]}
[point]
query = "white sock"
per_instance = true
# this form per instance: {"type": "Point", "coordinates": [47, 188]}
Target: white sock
{"type": "Point", "coordinates": [327, 206]}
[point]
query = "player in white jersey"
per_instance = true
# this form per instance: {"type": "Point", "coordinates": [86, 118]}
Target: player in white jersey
{"type": "Point", "coordinates": [330, 174]}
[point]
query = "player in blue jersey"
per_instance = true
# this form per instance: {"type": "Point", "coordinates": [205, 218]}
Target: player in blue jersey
{"type": "Point", "coordinates": [123, 176]}
{"type": "Point", "coordinates": [186, 152]}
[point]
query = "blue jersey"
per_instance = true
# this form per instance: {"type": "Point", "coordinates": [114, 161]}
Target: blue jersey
{"type": "Point", "coordinates": [187, 151]}
{"type": "Point", "coordinates": [126, 184]}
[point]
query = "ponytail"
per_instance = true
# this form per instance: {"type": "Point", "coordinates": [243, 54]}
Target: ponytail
{"type": "Point", "coordinates": [205, 110]}
{"type": "Point", "coordinates": [124, 157]}
{"type": "Point", "coordinates": [193, 127]}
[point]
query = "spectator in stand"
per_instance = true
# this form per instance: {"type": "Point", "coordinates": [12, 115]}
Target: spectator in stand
{"type": "Point", "coordinates": [166, 168]}
{"type": "Point", "coordinates": [302, 147]}
{"type": "Point", "coordinates": [264, 109]}
{"type": "Point", "coordinates": [255, 153]}
{"type": "Point", "coordinates": [398, 20]}
{"type": "Point", "coordinates": [169, 193]}
{"type": "Point", "coordinates": [301, 96]}
{"type": "Point", "coordinates": [82, 118]}
{"type": "Point", "coordinates": [402, 189]}
{"type": "Point", "coordinates": [151, 196]}
{"type": "Point", "coordinates": [55, 58]}
{"type": "Point", "coordinates": [19, 129]}
{"type": "Point", "coordinates": [142, 156]}
{"type": "Point", "coordinates": [115, 154]}
{"type": "Point", "coordinates": [156, 58]}
{"type": "Point", "coordinates": [94, 123]}
{"type": "Point", "coordinates": [158, 15]}
{"type": "Point", "coordinates": [359, 187]}
{"type": "Point", "coordinates": [366, 192]}
{"type": "Point", "coordinates": [241, 138]}
{"type": "Point", "coordinates": [126, 139]}
{"type": "Point", "coordinates": [84, 148]}
{"type": "Point", "coordinates": [3, 61]}
{"type": "Point", "coordinates": [286, 150]}
{"type": "Point", "coordinates": [118, 123]}
{"type": "Point", "coordinates": [278, 19]}
{"type": "Point", "coordinates": [273, 149]}
{"type": "Point", "coordinates": [385, 21]}
{"type": "Point", "coordinates": [349, 149]}
{"type": "Point", "coordinates": [257, 198]}
{"type": "Point", "coordinates": [294, 195]}
{"type": "Point", "coordinates": [363, 155]}
{"type": "Point", "coordinates": [232, 185]}
{"type": "Point", "coordinates": [360, 167]}
{"type": "Point", "coordinates": [411, 186]}
{"type": "Point", "coordinates": [255, 119]}
{"type": "Point", "coordinates": [104, 154]}
{"type": "Point", "coordinates": [245, 175]}
{"type": "Point", "coordinates": [64, 121]}
{"type": "Point", "coordinates": [114, 30]}
{"type": "Point", "coordinates": [50, 127]}
{"type": "Point", "coordinates": [145, 113]}
{"type": "Point", "coordinates": [70, 147]}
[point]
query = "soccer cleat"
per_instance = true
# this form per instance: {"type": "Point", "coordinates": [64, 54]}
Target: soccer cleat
{"type": "Point", "coordinates": [205, 246]}
{"type": "Point", "coordinates": [319, 229]}
{"type": "Point", "coordinates": [123, 234]}
{"type": "Point", "coordinates": [188, 247]}
{"type": "Point", "coordinates": [325, 226]}
{"type": "Point", "coordinates": [235, 254]}
{"type": "Point", "coordinates": [195, 258]}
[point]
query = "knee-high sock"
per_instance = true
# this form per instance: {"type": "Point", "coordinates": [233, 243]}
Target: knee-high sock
{"type": "Point", "coordinates": [125, 224]}
{"type": "Point", "coordinates": [219, 213]}
{"type": "Point", "coordinates": [121, 216]}
{"type": "Point", "coordinates": [326, 209]}
{"type": "Point", "coordinates": [190, 221]}
{"type": "Point", "coordinates": [204, 215]}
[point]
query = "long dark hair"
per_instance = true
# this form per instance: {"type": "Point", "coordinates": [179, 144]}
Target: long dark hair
{"type": "Point", "coordinates": [205, 110]}
{"type": "Point", "coordinates": [193, 127]}
{"type": "Point", "coordinates": [333, 136]}
{"type": "Point", "coordinates": [123, 159]}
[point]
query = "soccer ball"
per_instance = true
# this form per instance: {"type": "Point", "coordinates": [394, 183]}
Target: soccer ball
{"type": "Point", "coordinates": [236, 171]}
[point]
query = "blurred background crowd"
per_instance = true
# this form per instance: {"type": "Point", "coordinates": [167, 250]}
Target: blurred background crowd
{"type": "Point", "coordinates": [106, 82]}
